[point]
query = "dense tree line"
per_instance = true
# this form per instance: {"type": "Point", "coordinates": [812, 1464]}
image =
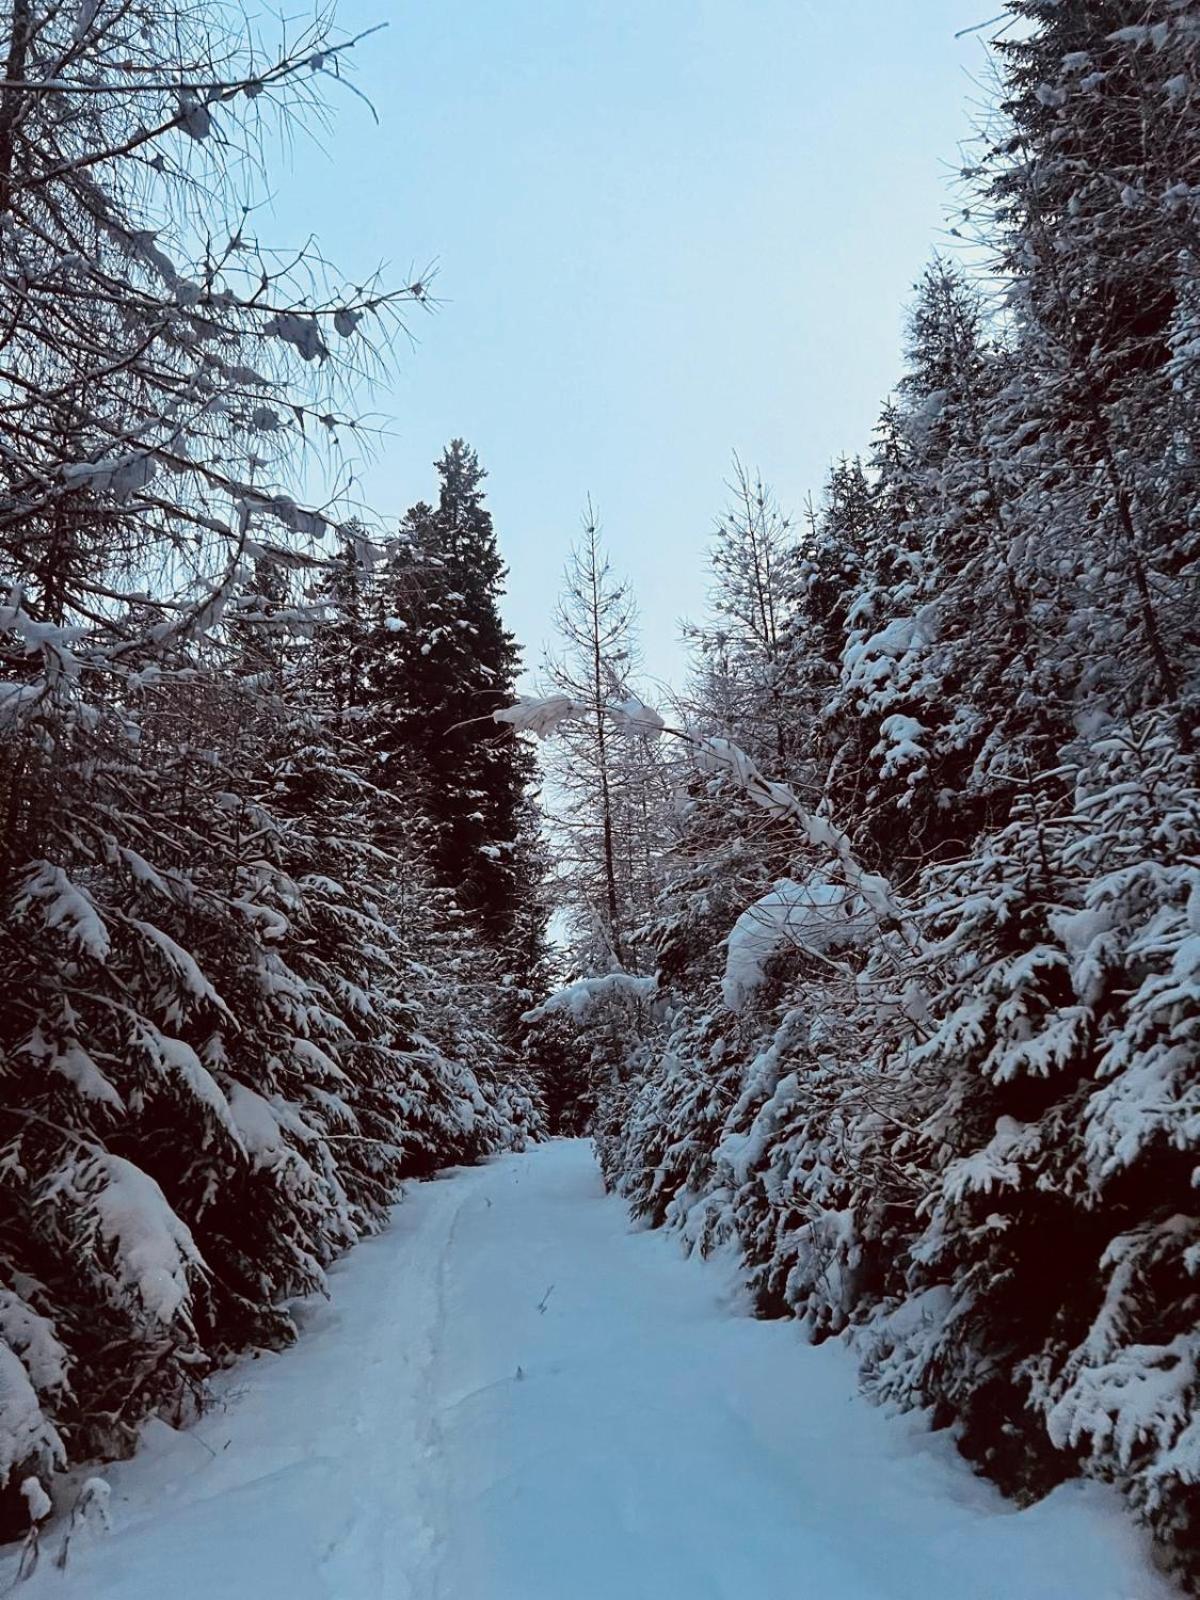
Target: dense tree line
{"type": "Point", "coordinates": [912, 1013]}
{"type": "Point", "coordinates": [268, 884]}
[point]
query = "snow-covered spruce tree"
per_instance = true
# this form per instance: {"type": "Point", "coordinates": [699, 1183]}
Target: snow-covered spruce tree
{"type": "Point", "coordinates": [425, 1021]}
{"type": "Point", "coordinates": [439, 661]}
{"type": "Point", "coordinates": [761, 1116]}
{"type": "Point", "coordinates": [751, 692]}
{"type": "Point", "coordinates": [211, 1075]}
{"type": "Point", "coordinates": [1088, 179]}
{"type": "Point", "coordinates": [1062, 1156]}
{"type": "Point", "coordinates": [829, 561]}
{"type": "Point", "coordinates": [410, 654]}
{"type": "Point", "coordinates": [658, 1133]}
{"type": "Point", "coordinates": [940, 706]}
{"type": "Point", "coordinates": [1056, 1267]}
{"type": "Point", "coordinates": [471, 994]}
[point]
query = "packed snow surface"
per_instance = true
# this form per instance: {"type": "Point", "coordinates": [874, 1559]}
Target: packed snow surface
{"type": "Point", "coordinates": [515, 1396]}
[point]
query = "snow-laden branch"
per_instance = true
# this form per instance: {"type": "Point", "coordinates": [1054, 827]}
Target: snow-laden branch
{"type": "Point", "coordinates": [579, 997]}
{"type": "Point", "coordinates": [545, 715]}
{"type": "Point", "coordinates": [814, 916]}
{"type": "Point", "coordinates": [634, 719]}
{"type": "Point", "coordinates": [721, 757]}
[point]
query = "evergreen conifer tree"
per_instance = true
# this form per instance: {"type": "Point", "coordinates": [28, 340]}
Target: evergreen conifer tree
{"type": "Point", "coordinates": [439, 660]}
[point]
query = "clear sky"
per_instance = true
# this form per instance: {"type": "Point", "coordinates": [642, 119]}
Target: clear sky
{"type": "Point", "coordinates": [666, 230]}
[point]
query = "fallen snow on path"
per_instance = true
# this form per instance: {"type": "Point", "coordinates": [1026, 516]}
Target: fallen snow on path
{"type": "Point", "coordinates": [513, 1396]}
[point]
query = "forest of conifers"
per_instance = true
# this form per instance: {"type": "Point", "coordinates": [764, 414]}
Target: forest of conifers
{"type": "Point", "coordinates": [872, 955]}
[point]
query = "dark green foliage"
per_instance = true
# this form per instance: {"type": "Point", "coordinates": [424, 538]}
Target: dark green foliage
{"type": "Point", "coordinates": [438, 662]}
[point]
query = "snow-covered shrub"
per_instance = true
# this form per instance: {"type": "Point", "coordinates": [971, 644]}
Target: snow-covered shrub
{"type": "Point", "coordinates": [1062, 1219]}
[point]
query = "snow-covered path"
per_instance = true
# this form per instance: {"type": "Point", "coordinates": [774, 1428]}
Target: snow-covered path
{"type": "Point", "coordinates": [514, 1397]}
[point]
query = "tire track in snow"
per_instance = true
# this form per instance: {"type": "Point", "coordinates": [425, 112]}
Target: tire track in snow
{"type": "Point", "coordinates": [434, 1487]}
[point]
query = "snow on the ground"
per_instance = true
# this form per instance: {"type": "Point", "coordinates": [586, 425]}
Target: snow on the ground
{"type": "Point", "coordinates": [513, 1396]}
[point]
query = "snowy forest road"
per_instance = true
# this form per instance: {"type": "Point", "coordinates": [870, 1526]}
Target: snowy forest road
{"type": "Point", "coordinates": [514, 1396]}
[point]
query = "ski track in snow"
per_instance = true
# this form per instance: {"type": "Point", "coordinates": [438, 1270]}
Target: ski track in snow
{"type": "Point", "coordinates": [448, 1430]}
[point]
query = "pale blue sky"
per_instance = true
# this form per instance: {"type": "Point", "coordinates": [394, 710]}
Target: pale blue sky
{"type": "Point", "coordinates": [666, 230]}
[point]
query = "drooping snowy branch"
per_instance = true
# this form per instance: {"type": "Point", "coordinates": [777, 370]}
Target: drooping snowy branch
{"type": "Point", "coordinates": [579, 998]}
{"type": "Point", "coordinates": [721, 757]}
